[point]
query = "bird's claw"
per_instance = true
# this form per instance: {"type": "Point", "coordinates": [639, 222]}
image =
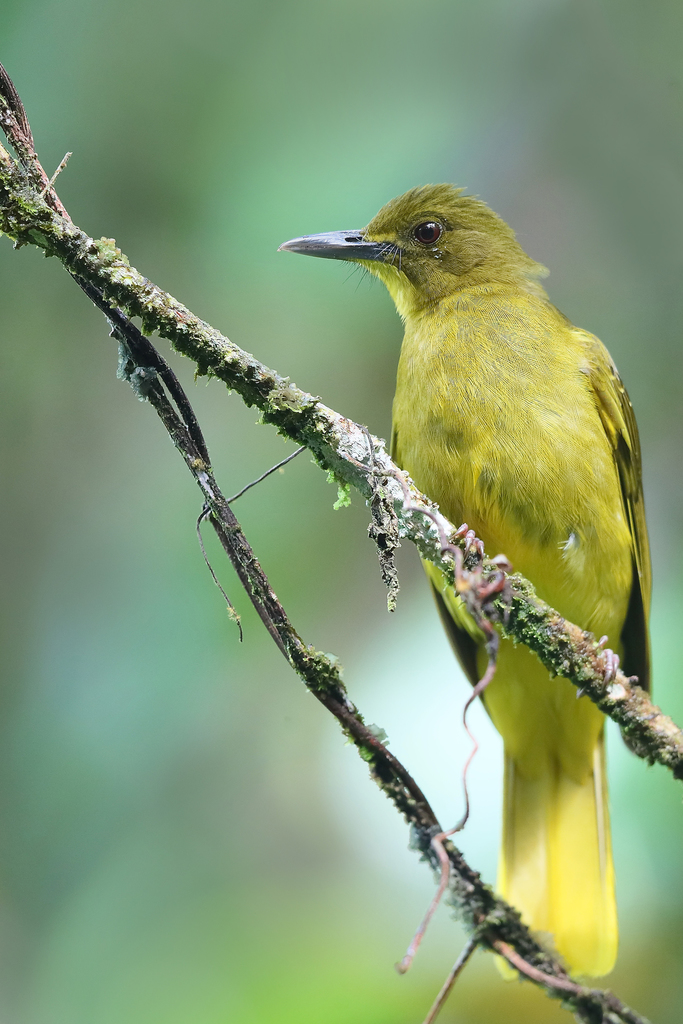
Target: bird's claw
{"type": "Point", "coordinates": [471, 540]}
{"type": "Point", "coordinates": [611, 663]}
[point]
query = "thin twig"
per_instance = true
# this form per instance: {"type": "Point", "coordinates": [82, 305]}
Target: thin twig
{"type": "Point", "coordinates": [64, 161]}
{"type": "Point", "coordinates": [450, 981]}
{"type": "Point", "coordinates": [476, 692]}
{"type": "Point", "coordinates": [205, 514]}
{"type": "Point", "coordinates": [267, 473]}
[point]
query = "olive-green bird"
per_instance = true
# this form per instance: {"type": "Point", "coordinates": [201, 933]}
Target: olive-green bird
{"type": "Point", "coordinates": [517, 423]}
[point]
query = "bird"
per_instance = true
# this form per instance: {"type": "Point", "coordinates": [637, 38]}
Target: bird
{"type": "Point", "coordinates": [516, 422]}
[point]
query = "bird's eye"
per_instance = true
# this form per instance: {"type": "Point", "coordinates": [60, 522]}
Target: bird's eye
{"type": "Point", "coordinates": [428, 233]}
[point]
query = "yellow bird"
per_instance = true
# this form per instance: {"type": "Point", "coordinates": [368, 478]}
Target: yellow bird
{"type": "Point", "coordinates": [517, 423]}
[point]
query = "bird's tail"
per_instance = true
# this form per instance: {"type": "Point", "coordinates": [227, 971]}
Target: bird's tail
{"type": "Point", "coordinates": [556, 861]}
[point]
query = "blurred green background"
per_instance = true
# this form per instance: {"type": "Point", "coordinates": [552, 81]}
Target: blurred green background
{"type": "Point", "coordinates": [184, 837]}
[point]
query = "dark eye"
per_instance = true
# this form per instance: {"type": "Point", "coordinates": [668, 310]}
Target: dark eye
{"type": "Point", "coordinates": [428, 233]}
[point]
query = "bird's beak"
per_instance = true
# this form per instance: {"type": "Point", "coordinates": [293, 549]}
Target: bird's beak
{"type": "Point", "coordinates": [340, 245]}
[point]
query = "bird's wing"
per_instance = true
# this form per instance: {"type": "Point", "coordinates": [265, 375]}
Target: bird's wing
{"type": "Point", "coordinates": [463, 643]}
{"type": "Point", "coordinates": [620, 427]}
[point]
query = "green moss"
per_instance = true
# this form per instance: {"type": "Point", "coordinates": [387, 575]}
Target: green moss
{"type": "Point", "coordinates": [343, 490]}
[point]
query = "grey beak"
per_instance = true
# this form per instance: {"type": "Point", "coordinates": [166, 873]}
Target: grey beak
{"type": "Point", "coordinates": [339, 245]}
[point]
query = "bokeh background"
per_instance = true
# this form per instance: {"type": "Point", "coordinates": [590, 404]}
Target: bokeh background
{"type": "Point", "coordinates": [184, 836]}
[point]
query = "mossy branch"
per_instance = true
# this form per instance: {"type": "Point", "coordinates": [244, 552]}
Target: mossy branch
{"type": "Point", "coordinates": [31, 213]}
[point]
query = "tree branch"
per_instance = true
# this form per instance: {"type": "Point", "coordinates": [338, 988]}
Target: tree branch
{"type": "Point", "coordinates": [30, 212]}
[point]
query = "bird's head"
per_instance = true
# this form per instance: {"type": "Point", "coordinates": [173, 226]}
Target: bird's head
{"type": "Point", "coordinates": [428, 244]}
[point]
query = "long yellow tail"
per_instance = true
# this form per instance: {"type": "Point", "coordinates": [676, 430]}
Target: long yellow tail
{"type": "Point", "coordinates": [556, 859]}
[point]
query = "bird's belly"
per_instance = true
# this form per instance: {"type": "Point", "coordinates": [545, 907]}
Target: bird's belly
{"type": "Point", "coordinates": [553, 508]}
